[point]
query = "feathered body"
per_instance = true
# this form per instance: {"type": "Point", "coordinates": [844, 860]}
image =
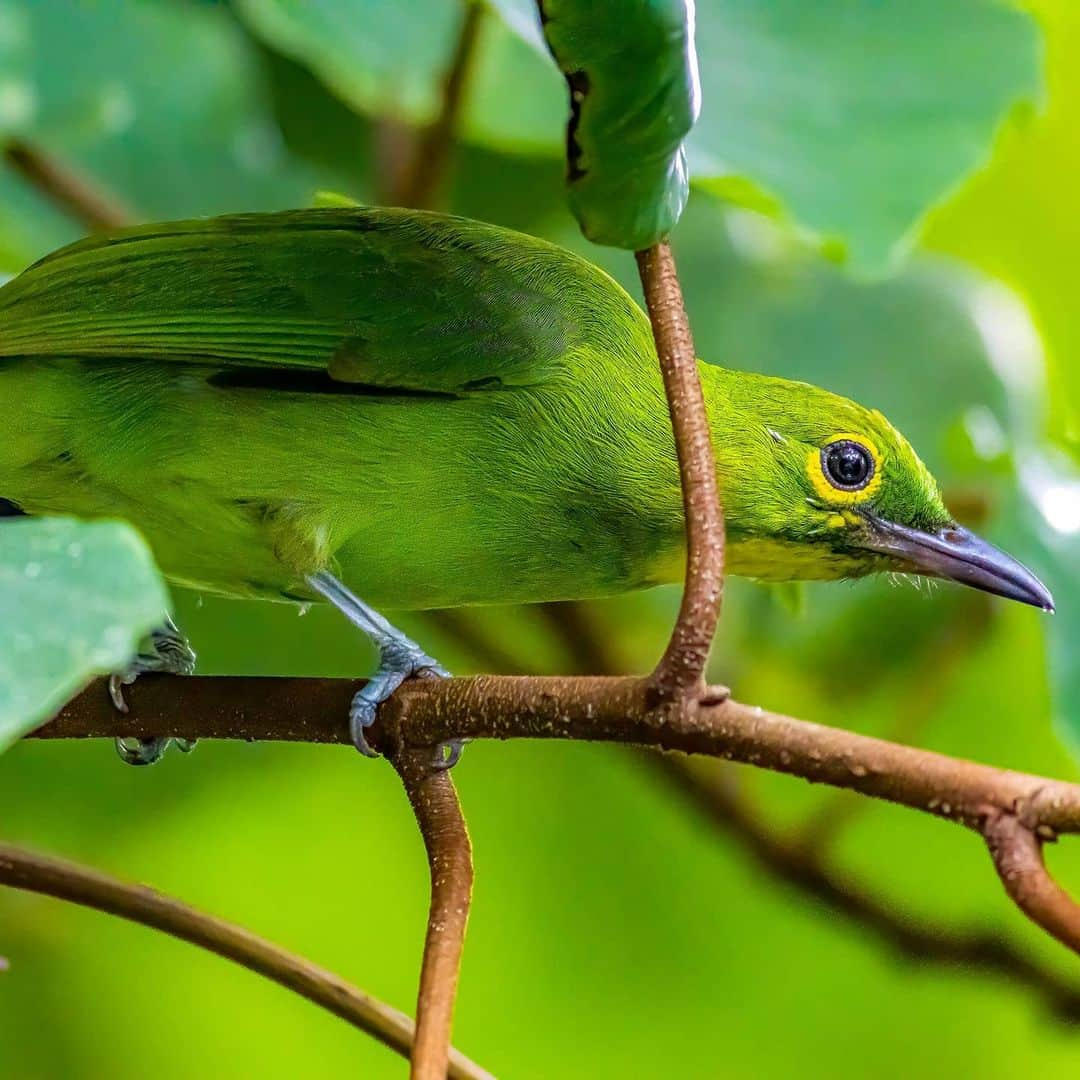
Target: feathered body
{"type": "Point", "coordinates": [439, 411]}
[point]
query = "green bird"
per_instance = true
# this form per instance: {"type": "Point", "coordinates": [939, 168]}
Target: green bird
{"type": "Point", "coordinates": [423, 411]}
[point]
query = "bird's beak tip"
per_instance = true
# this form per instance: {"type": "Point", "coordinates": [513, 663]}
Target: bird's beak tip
{"type": "Point", "coordinates": [956, 554]}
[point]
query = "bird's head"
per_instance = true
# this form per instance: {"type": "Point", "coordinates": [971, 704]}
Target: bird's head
{"type": "Point", "coordinates": [817, 486]}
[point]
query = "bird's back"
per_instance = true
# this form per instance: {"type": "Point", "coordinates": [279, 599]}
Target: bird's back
{"type": "Point", "coordinates": [451, 411]}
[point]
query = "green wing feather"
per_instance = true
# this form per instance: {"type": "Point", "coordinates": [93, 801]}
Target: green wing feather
{"type": "Point", "coordinates": [382, 297]}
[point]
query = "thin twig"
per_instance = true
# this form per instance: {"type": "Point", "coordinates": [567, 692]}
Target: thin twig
{"type": "Point", "coordinates": [68, 881]}
{"type": "Point", "coordinates": [73, 193]}
{"type": "Point", "coordinates": [446, 839]}
{"type": "Point", "coordinates": [429, 166]}
{"type": "Point", "coordinates": [718, 796]}
{"type": "Point", "coordinates": [682, 667]}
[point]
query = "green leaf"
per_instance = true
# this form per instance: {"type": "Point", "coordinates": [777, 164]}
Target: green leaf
{"type": "Point", "coordinates": [857, 116]}
{"type": "Point", "coordinates": [632, 73]}
{"type": "Point", "coordinates": [76, 598]}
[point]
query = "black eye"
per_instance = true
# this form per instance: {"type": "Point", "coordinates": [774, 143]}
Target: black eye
{"type": "Point", "coordinates": [847, 465]}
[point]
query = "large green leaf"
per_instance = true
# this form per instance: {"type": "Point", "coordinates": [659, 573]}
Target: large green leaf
{"type": "Point", "coordinates": [385, 56]}
{"type": "Point", "coordinates": [75, 599]}
{"type": "Point", "coordinates": [856, 115]}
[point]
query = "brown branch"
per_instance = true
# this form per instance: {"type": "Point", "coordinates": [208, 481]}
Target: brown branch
{"type": "Point", "coordinates": [424, 713]}
{"type": "Point", "coordinates": [1018, 859]}
{"type": "Point", "coordinates": [798, 861]}
{"type": "Point", "coordinates": [682, 667]}
{"type": "Point", "coordinates": [138, 903]}
{"type": "Point", "coordinates": [73, 193]}
{"type": "Point", "coordinates": [719, 798]}
{"type": "Point", "coordinates": [446, 840]}
{"type": "Point", "coordinates": [943, 653]}
{"type": "Point", "coordinates": [423, 178]}
{"type": "Point", "coordinates": [595, 709]}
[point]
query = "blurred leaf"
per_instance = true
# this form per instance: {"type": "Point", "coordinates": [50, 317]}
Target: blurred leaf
{"type": "Point", "coordinates": [850, 117]}
{"type": "Point", "coordinates": [319, 128]}
{"type": "Point", "coordinates": [389, 58]}
{"type": "Point", "coordinates": [634, 95]}
{"type": "Point", "coordinates": [856, 115]}
{"type": "Point", "coordinates": [28, 225]}
{"type": "Point", "coordinates": [1018, 220]}
{"type": "Point", "coordinates": [385, 56]}
{"type": "Point", "coordinates": [76, 598]}
{"type": "Point", "coordinates": [517, 99]}
{"type": "Point", "coordinates": [1043, 527]}
{"type": "Point", "coordinates": [161, 103]}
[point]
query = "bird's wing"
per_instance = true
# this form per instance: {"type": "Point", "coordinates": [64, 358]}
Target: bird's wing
{"type": "Point", "coordinates": [380, 297]}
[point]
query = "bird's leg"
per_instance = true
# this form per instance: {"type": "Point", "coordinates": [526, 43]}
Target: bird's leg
{"type": "Point", "coordinates": [167, 651]}
{"type": "Point", "coordinates": [399, 659]}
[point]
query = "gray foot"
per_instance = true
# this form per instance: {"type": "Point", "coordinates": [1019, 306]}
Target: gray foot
{"type": "Point", "coordinates": [167, 651]}
{"type": "Point", "coordinates": [400, 658]}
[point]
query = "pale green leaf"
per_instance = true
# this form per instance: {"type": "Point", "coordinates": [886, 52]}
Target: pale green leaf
{"type": "Point", "coordinates": [75, 599]}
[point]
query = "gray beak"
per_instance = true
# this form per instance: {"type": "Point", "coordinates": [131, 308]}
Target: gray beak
{"type": "Point", "coordinates": [957, 555]}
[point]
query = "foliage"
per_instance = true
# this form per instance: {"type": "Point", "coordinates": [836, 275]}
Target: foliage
{"type": "Point", "coordinates": [77, 598]}
{"type": "Point", "coordinates": [851, 119]}
{"type": "Point", "coordinates": [626, 159]}
{"type": "Point", "coordinates": [604, 912]}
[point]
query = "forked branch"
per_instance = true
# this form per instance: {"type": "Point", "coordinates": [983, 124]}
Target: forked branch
{"type": "Point", "coordinates": [424, 713]}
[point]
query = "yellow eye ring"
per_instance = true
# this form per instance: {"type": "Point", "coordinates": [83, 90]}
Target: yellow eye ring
{"type": "Point", "coordinates": [828, 488]}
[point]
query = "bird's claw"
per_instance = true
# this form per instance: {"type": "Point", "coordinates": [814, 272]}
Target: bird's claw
{"type": "Point", "coordinates": [398, 663]}
{"type": "Point", "coordinates": [169, 653]}
{"type": "Point", "coordinates": [116, 689]}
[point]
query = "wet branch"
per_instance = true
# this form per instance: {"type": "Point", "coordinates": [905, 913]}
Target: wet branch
{"type": "Point", "coordinates": [69, 881]}
{"type": "Point", "coordinates": [427, 712]}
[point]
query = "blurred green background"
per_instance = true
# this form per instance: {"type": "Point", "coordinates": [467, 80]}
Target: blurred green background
{"type": "Point", "coordinates": [884, 205]}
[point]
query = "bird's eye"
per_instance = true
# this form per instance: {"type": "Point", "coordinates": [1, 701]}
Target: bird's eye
{"type": "Point", "coordinates": [847, 465]}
